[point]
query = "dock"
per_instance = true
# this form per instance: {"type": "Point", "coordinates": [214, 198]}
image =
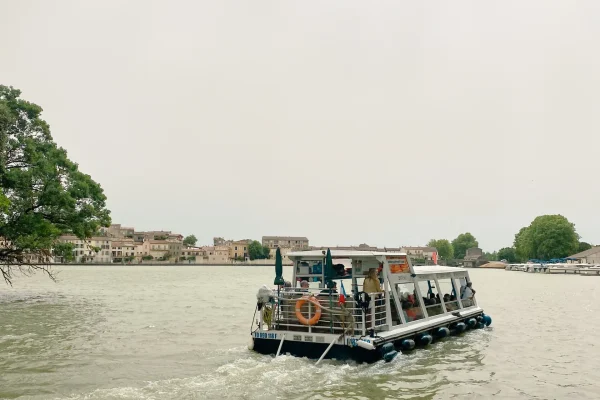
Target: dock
{"type": "Point", "coordinates": [573, 269]}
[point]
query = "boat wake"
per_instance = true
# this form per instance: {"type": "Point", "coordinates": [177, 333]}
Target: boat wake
{"type": "Point", "coordinates": [254, 376]}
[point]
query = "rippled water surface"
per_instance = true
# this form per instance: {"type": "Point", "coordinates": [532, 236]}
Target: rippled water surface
{"type": "Point", "coordinates": [182, 333]}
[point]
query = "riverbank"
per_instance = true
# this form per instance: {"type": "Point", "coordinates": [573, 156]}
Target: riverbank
{"type": "Point", "coordinates": [167, 264]}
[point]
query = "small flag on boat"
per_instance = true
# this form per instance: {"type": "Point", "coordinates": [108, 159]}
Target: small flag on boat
{"type": "Point", "coordinates": [435, 256]}
{"type": "Point", "coordinates": [342, 295]}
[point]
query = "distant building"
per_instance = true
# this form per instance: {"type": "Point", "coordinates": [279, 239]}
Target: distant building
{"type": "Point", "coordinates": [123, 248]}
{"type": "Point", "coordinates": [590, 256]}
{"type": "Point", "coordinates": [419, 252]}
{"type": "Point", "coordinates": [238, 249]}
{"type": "Point", "coordinates": [85, 250]}
{"type": "Point", "coordinates": [361, 247]}
{"type": "Point", "coordinates": [193, 254]}
{"type": "Point", "coordinates": [161, 249]}
{"type": "Point", "coordinates": [156, 235]}
{"type": "Point", "coordinates": [292, 242]}
{"type": "Point", "coordinates": [215, 255]}
{"type": "Point", "coordinates": [474, 258]}
{"type": "Point", "coordinates": [119, 232]}
{"type": "Point", "coordinates": [284, 254]}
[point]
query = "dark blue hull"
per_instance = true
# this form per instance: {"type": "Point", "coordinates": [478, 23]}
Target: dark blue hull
{"type": "Point", "coordinates": [315, 350]}
{"type": "Point", "coordinates": [342, 352]}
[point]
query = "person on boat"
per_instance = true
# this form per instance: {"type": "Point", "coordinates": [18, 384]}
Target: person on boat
{"type": "Point", "coordinates": [432, 299]}
{"type": "Point", "coordinates": [467, 291]}
{"type": "Point", "coordinates": [466, 294]}
{"type": "Point", "coordinates": [450, 306]}
{"type": "Point", "coordinates": [339, 269]}
{"type": "Point", "coordinates": [371, 283]}
{"type": "Point", "coordinates": [304, 286]}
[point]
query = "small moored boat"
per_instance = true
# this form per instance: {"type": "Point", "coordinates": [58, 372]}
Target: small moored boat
{"type": "Point", "coordinates": [315, 317]}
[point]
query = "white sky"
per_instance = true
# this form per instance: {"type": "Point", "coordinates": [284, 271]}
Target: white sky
{"type": "Point", "coordinates": [389, 122]}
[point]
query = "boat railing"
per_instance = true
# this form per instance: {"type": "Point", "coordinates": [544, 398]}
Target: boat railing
{"type": "Point", "coordinates": [452, 305]}
{"type": "Point", "coordinates": [467, 303]}
{"type": "Point", "coordinates": [434, 309]}
{"type": "Point", "coordinates": [348, 318]}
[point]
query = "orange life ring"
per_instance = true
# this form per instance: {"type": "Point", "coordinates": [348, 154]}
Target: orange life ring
{"type": "Point", "coordinates": [303, 320]}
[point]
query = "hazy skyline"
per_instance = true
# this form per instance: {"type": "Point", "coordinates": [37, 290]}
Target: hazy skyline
{"type": "Point", "coordinates": [389, 123]}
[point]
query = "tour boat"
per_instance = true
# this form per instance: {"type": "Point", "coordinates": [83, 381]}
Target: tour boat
{"type": "Point", "coordinates": [315, 316]}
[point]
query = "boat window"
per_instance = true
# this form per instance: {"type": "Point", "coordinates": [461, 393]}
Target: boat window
{"type": "Point", "coordinates": [449, 294]}
{"type": "Point", "coordinates": [431, 297]}
{"type": "Point", "coordinates": [409, 301]}
{"type": "Point", "coordinates": [311, 271]}
{"type": "Point", "coordinates": [460, 284]}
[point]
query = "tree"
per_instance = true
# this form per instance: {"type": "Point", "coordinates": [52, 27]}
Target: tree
{"type": "Point", "coordinates": [493, 256]}
{"type": "Point", "coordinates": [44, 195]}
{"type": "Point", "coordinates": [463, 242]}
{"type": "Point", "coordinates": [547, 237]}
{"type": "Point", "coordinates": [522, 245]}
{"type": "Point", "coordinates": [583, 246]}
{"type": "Point", "coordinates": [64, 251]}
{"type": "Point", "coordinates": [190, 240]}
{"type": "Point", "coordinates": [266, 252]}
{"type": "Point", "coordinates": [256, 251]}
{"type": "Point", "coordinates": [507, 253]}
{"type": "Point", "coordinates": [444, 248]}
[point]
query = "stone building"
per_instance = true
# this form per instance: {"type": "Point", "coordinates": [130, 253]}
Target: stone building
{"type": "Point", "coordinates": [420, 253]}
{"type": "Point", "coordinates": [85, 250]}
{"type": "Point", "coordinates": [238, 249]}
{"type": "Point", "coordinates": [292, 242]}
{"type": "Point", "coordinates": [474, 258]}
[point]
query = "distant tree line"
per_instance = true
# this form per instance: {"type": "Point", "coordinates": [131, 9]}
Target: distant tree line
{"type": "Point", "coordinates": [545, 238]}
{"type": "Point", "coordinates": [457, 248]}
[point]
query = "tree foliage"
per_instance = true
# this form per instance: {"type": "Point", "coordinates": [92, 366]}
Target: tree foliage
{"type": "Point", "coordinates": [190, 240]}
{"type": "Point", "coordinates": [463, 242]}
{"type": "Point", "coordinates": [507, 253]}
{"type": "Point", "coordinates": [493, 256]}
{"type": "Point", "coordinates": [256, 251]}
{"type": "Point", "coordinates": [64, 251]}
{"type": "Point", "coordinates": [444, 248]}
{"type": "Point", "coordinates": [583, 246]}
{"type": "Point", "coordinates": [547, 237]}
{"type": "Point", "coordinates": [43, 193]}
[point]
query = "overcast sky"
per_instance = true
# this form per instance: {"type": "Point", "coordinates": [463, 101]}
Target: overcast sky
{"type": "Point", "coordinates": [349, 121]}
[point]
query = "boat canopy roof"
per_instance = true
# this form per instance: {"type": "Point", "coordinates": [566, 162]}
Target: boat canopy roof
{"type": "Point", "coordinates": [435, 269]}
{"type": "Point", "coordinates": [373, 256]}
{"type": "Point", "coordinates": [313, 254]}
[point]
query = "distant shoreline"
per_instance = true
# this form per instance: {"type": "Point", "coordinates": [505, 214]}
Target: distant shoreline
{"type": "Point", "coordinates": [167, 264]}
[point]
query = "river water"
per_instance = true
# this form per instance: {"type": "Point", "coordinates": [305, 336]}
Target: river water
{"type": "Point", "coordinates": [182, 333]}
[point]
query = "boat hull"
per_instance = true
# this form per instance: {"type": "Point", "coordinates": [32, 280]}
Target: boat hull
{"type": "Point", "coordinates": [313, 350]}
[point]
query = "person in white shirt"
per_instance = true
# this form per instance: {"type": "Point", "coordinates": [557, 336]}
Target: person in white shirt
{"type": "Point", "coordinates": [467, 292]}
